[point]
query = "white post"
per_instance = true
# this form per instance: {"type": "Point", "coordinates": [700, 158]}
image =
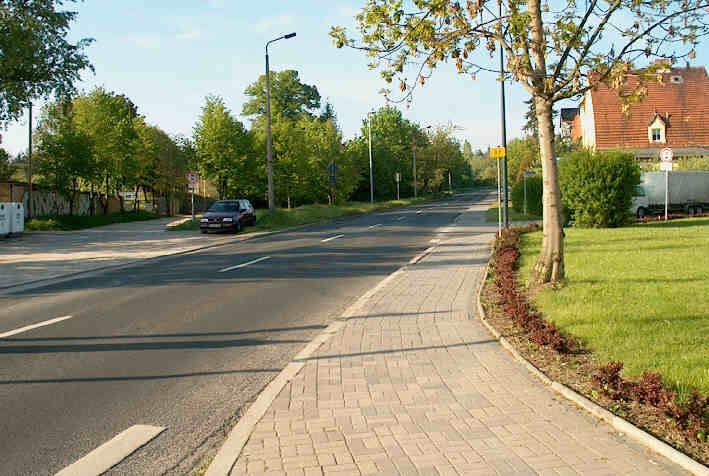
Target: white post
{"type": "Point", "coordinates": [192, 202]}
{"type": "Point", "coordinates": [499, 201]}
{"type": "Point", "coordinates": [525, 192]}
{"type": "Point", "coordinates": [667, 191]}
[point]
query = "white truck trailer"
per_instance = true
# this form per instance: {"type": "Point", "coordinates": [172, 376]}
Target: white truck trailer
{"type": "Point", "coordinates": [688, 193]}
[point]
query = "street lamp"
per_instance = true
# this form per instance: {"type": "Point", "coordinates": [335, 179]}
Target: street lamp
{"type": "Point", "coordinates": [504, 130]}
{"type": "Point", "coordinates": [269, 145]}
{"type": "Point", "coordinates": [415, 178]}
{"type": "Point", "coordinates": [371, 177]}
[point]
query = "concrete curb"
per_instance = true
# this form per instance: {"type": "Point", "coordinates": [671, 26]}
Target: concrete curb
{"type": "Point", "coordinates": [618, 423]}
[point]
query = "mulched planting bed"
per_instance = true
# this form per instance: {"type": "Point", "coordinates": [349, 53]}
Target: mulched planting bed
{"type": "Point", "coordinates": [575, 367]}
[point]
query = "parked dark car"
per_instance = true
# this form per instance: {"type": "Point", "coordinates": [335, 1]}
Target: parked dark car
{"type": "Point", "coordinates": [230, 215]}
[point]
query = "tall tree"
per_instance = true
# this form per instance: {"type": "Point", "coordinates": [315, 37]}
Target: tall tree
{"type": "Point", "coordinates": [290, 98]}
{"type": "Point", "coordinates": [108, 119]}
{"type": "Point", "coordinates": [37, 61]}
{"type": "Point", "coordinates": [7, 169]}
{"type": "Point", "coordinates": [222, 145]}
{"type": "Point", "coordinates": [556, 52]}
{"type": "Point", "coordinates": [65, 155]}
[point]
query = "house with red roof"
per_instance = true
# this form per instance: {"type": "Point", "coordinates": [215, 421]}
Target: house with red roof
{"type": "Point", "coordinates": [675, 114]}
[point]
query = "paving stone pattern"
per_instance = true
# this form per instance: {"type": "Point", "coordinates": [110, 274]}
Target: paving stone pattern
{"type": "Point", "coordinates": [417, 386]}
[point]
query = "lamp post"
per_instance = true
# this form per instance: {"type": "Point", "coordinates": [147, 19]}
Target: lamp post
{"type": "Point", "coordinates": [269, 145]}
{"type": "Point", "coordinates": [505, 214]}
{"type": "Point", "coordinates": [371, 177]}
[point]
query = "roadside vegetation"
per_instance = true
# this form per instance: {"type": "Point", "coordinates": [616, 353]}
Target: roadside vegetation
{"type": "Point", "coordinates": [69, 223]}
{"type": "Point", "coordinates": [492, 214]}
{"type": "Point", "coordinates": [638, 295]}
{"type": "Point", "coordinates": [628, 329]}
{"type": "Point", "coordinates": [269, 220]}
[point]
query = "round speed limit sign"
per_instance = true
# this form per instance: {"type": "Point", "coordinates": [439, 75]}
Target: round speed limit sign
{"type": "Point", "coordinates": [667, 155]}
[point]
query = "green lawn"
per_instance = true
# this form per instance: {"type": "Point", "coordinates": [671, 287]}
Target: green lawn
{"type": "Point", "coordinates": [68, 223]}
{"type": "Point", "coordinates": [269, 220]}
{"type": "Point", "coordinates": [491, 215]}
{"type": "Point", "coordinates": [638, 294]}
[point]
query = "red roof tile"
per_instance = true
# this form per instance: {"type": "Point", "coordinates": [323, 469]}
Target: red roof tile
{"type": "Point", "coordinates": [687, 104]}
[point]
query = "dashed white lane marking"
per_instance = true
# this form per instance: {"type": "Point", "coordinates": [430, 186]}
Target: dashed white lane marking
{"type": "Point", "coordinates": [243, 264]}
{"type": "Point", "coordinates": [435, 240]}
{"type": "Point", "coordinates": [34, 326]}
{"type": "Point", "coordinates": [418, 212]}
{"type": "Point", "coordinates": [374, 226]}
{"type": "Point", "coordinates": [113, 451]}
{"type": "Point", "coordinates": [401, 218]}
{"type": "Point", "coordinates": [331, 238]}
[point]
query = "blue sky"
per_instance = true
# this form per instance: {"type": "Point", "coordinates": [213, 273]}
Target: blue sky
{"type": "Point", "coordinates": [168, 55]}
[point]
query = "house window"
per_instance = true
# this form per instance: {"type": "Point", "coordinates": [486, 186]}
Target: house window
{"type": "Point", "coordinates": [657, 135]}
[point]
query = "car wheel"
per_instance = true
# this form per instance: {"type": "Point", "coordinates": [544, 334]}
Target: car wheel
{"type": "Point", "coordinates": [237, 227]}
{"type": "Point", "coordinates": [641, 212]}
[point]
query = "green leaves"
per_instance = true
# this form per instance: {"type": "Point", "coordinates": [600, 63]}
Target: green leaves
{"type": "Point", "coordinates": [36, 61]}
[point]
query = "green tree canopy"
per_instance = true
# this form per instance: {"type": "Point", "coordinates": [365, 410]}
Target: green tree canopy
{"type": "Point", "coordinates": [290, 98]}
{"type": "Point", "coordinates": [36, 61]}
{"type": "Point", "coordinates": [222, 146]}
{"type": "Point", "coordinates": [7, 169]}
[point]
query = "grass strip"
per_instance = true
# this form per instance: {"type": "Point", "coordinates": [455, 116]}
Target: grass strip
{"type": "Point", "coordinates": [280, 218]}
{"type": "Point", "coordinates": [637, 295]}
{"type": "Point", "coordinates": [69, 223]}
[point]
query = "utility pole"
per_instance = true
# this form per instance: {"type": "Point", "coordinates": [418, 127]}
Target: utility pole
{"type": "Point", "coordinates": [504, 131]}
{"type": "Point", "coordinates": [269, 144]}
{"type": "Point", "coordinates": [29, 166]}
{"type": "Point", "coordinates": [415, 184]}
{"type": "Point", "coordinates": [371, 177]}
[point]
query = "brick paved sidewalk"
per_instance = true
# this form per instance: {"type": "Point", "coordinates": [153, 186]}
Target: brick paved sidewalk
{"type": "Point", "coordinates": [416, 385]}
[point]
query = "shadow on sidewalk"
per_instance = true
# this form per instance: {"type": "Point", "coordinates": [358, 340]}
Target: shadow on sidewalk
{"type": "Point", "coordinates": [394, 351]}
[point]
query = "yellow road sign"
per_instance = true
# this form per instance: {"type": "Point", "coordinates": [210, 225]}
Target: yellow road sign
{"type": "Point", "coordinates": [497, 152]}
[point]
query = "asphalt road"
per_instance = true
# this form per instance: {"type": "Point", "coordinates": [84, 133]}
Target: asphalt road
{"type": "Point", "coordinates": [183, 342]}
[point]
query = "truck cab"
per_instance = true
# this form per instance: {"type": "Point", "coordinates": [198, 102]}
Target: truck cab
{"type": "Point", "coordinates": [641, 204]}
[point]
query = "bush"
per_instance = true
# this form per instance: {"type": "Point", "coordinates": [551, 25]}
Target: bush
{"type": "Point", "coordinates": [534, 196]}
{"type": "Point", "coordinates": [597, 188]}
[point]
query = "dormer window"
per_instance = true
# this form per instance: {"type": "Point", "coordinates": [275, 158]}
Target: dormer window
{"type": "Point", "coordinates": [676, 79]}
{"type": "Point", "coordinates": [657, 130]}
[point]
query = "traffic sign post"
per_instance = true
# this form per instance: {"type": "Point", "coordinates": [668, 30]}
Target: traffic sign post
{"type": "Point", "coordinates": [527, 173]}
{"type": "Point", "coordinates": [667, 155]}
{"type": "Point", "coordinates": [192, 179]}
{"type": "Point", "coordinates": [397, 177]}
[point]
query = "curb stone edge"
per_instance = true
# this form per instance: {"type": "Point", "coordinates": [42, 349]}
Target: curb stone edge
{"type": "Point", "coordinates": [619, 424]}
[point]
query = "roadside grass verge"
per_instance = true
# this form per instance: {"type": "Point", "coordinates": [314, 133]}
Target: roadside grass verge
{"type": "Point", "coordinates": [638, 295]}
{"type": "Point", "coordinates": [269, 220]}
{"type": "Point", "coordinates": [491, 215]}
{"type": "Point", "coordinates": [69, 223]}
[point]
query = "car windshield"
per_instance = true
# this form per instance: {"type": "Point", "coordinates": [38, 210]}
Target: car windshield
{"type": "Point", "coordinates": [223, 207]}
{"type": "Point", "coordinates": [639, 192]}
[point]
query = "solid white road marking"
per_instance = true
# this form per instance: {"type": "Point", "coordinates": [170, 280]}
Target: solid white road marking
{"type": "Point", "coordinates": [243, 264]}
{"type": "Point", "coordinates": [401, 218]}
{"type": "Point", "coordinates": [374, 226]}
{"type": "Point", "coordinates": [331, 238]}
{"type": "Point", "coordinates": [419, 212]}
{"type": "Point", "coordinates": [113, 451]}
{"type": "Point", "coordinates": [34, 326]}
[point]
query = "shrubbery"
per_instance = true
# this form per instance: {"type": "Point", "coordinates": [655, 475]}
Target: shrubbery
{"type": "Point", "coordinates": [597, 188]}
{"type": "Point", "coordinates": [534, 196]}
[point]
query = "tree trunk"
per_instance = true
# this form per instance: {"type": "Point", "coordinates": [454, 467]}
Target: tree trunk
{"type": "Point", "coordinates": [550, 264]}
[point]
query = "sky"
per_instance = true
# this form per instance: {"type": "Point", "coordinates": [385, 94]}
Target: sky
{"type": "Point", "coordinates": [168, 55]}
